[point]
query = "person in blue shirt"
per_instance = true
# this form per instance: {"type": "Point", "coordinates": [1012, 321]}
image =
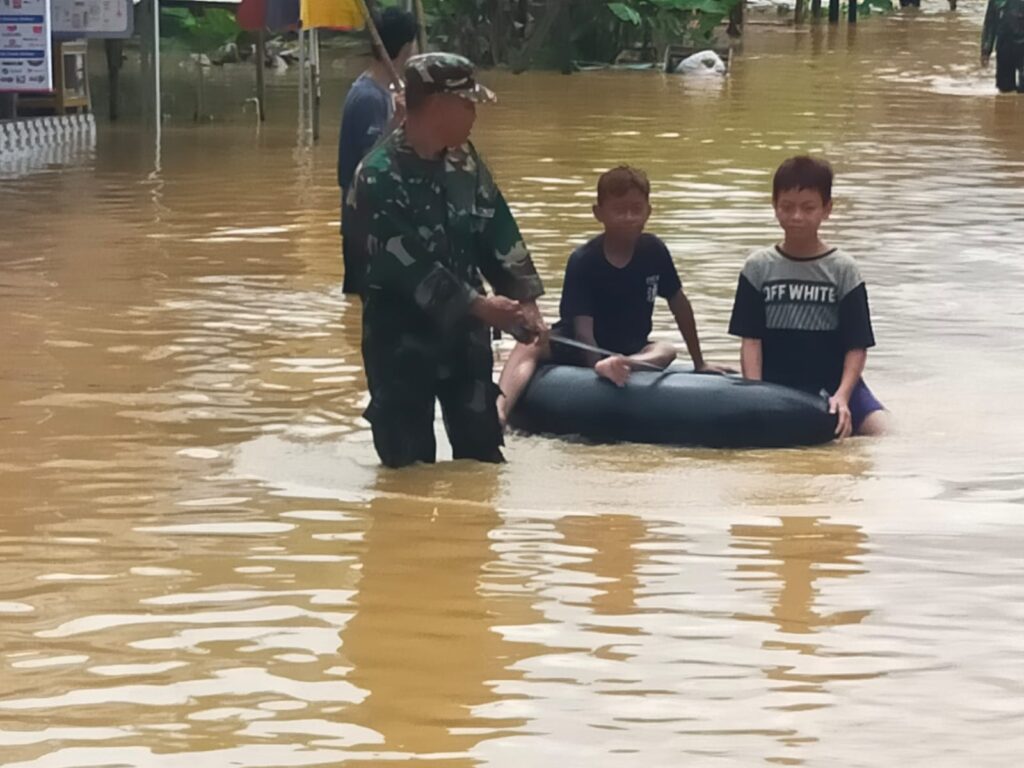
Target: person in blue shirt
{"type": "Point", "coordinates": [371, 112]}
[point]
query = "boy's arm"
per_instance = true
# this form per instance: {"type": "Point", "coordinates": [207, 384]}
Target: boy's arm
{"type": "Point", "coordinates": [748, 322]}
{"type": "Point", "coordinates": [683, 313]}
{"type": "Point", "coordinates": [751, 359]}
{"type": "Point", "coordinates": [857, 335]}
{"type": "Point", "coordinates": [839, 403]}
{"type": "Point", "coordinates": [583, 330]}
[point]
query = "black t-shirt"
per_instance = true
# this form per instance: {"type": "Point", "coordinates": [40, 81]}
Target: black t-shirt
{"type": "Point", "coordinates": [621, 300]}
{"type": "Point", "coordinates": [808, 314]}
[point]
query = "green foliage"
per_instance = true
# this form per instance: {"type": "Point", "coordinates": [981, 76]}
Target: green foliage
{"type": "Point", "coordinates": [625, 13]}
{"type": "Point", "coordinates": [202, 32]}
{"type": "Point", "coordinates": [497, 31]}
{"type": "Point", "coordinates": [660, 22]}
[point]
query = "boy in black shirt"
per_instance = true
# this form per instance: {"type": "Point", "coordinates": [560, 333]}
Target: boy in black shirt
{"type": "Point", "coordinates": [802, 308]}
{"type": "Point", "coordinates": [608, 296]}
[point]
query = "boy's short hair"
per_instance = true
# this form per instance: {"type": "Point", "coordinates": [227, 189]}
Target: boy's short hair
{"type": "Point", "coordinates": [618, 181]}
{"type": "Point", "coordinates": [397, 28]}
{"type": "Point", "coordinates": [803, 172]}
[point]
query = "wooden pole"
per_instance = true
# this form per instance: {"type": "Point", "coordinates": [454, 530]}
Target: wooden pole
{"type": "Point", "coordinates": [302, 80]}
{"type": "Point", "coordinates": [157, 96]}
{"type": "Point", "coordinates": [314, 81]}
{"type": "Point", "coordinates": [261, 80]}
{"type": "Point", "coordinates": [378, 46]}
{"type": "Point", "coordinates": [833, 11]}
{"type": "Point", "coordinates": [115, 58]}
{"type": "Point", "coordinates": [816, 9]}
{"type": "Point", "coordinates": [421, 26]}
{"type": "Point", "coordinates": [801, 11]}
{"type": "Point", "coordinates": [851, 11]}
{"type": "Point", "coordinates": [737, 16]}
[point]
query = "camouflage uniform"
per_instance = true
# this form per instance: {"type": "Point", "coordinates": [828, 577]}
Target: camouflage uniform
{"type": "Point", "coordinates": [430, 228]}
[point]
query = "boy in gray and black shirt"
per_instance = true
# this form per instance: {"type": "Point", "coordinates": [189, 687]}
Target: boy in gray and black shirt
{"type": "Point", "coordinates": [801, 307]}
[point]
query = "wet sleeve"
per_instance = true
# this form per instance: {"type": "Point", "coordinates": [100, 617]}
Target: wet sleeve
{"type": "Point", "coordinates": [505, 260]}
{"type": "Point", "coordinates": [362, 123]}
{"type": "Point", "coordinates": [988, 30]}
{"type": "Point", "coordinates": [748, 316]}
{"type": "Point", "coordinates": [669, 283]}
{"type": "Point", "coordinates": [855, 319]}
{"type": "Point", "coordinates": [403, 257]}
{"type": "Point", "coordinates": [577, 294]}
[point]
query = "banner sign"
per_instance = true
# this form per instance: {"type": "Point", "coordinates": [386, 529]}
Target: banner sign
{"type": "Point", "coordinates": [91, 18]}
{"type": "Point", "coordinates": [25, 47]}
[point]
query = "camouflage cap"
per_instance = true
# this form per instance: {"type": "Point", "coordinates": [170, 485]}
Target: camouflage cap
{"type": "Point", "coordinates": [445, 73]}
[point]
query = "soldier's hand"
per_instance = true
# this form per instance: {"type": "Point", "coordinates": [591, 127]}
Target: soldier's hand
{"type": "Point", "coordinates": [498, 312]}
{"type": "Point", "coordinates": [533, 321]}
{"type": "Point", "coordinates": [985, 60]}
{"type": "Point", "coordinates": [398, 99]}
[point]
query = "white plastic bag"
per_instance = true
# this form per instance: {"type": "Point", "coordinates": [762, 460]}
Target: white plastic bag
{"type": "Point", "coordinates": [702, 63]}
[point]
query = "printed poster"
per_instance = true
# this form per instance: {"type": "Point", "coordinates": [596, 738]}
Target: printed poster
{"type": "Point", "coordinates": [91, 18]}
{"type": "Point", "coordinates": [25, 48]}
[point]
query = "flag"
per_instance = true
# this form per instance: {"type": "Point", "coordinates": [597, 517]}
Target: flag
{"type": "Point", "coordinates": [330, 14]}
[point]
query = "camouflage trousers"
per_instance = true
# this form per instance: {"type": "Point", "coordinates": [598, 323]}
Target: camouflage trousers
{"type": "Point", "coordinates": [408, 372]}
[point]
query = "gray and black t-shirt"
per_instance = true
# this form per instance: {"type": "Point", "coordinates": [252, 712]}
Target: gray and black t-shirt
{"type": "Point", "coordinates": [808, 314]}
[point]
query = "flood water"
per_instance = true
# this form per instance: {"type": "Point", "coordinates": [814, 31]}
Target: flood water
{"type": "Point", "coordinates": [201, 564]}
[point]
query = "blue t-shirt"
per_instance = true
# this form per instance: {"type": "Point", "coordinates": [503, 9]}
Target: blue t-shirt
{"type": "Point", "coordinates": [620, 299]}
{"type": "Point", "coordinates": [366, 113]}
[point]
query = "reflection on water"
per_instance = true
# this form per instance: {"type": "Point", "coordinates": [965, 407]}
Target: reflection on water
{"type": "Point", "coordinates": [201, 564]}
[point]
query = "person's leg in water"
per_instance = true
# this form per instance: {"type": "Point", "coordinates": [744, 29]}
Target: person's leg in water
{"type": "Point", "coordinates": [516, 374]}
{"type": "Point", "coordinates": [1020, 69]}
{"type": "Point", "coordinates": [468, 398]}
{"type": "Point", "coordinates": [353, 250]}
{"type": "Point", "coordinates": [1009, 65]}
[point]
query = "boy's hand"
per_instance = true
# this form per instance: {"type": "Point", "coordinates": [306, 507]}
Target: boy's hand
{"type": "Point", "coordinates": [985, 58]}
{"type": "Point", "coordinates": [712, 368]}
{"type": "Point", "coordinates": [838, 405]}
{"type": "Point", "coordinates": [615, 369]}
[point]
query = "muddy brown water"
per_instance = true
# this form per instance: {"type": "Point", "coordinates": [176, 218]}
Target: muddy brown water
{"type": "Point", "coordinates": [202, 565]}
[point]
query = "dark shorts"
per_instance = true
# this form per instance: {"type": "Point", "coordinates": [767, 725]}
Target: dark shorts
{"type": "Point", "coordinates": [862, 404]}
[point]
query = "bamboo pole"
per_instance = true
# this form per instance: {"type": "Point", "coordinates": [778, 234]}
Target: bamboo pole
{"type": "Point", "coordinates": [378, 46]}
{"type": "Point", "coordinates": [302, 79]}
{"type": "Point", "coordinates": [261, 63]}
{"type": "Point", "coordinates": [421, 26]}
{"type": "Point", "coordinates": [314, 82]}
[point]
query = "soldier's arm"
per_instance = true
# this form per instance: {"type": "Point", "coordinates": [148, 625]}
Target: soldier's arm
{"type": "Point", "coordinates": [505, 260]}
{"type": "Point", "coordinates": [403, 256]}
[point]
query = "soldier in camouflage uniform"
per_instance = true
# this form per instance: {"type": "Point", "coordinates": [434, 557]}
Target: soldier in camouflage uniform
{"type": "Point", "coordinates": [434, 224]}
